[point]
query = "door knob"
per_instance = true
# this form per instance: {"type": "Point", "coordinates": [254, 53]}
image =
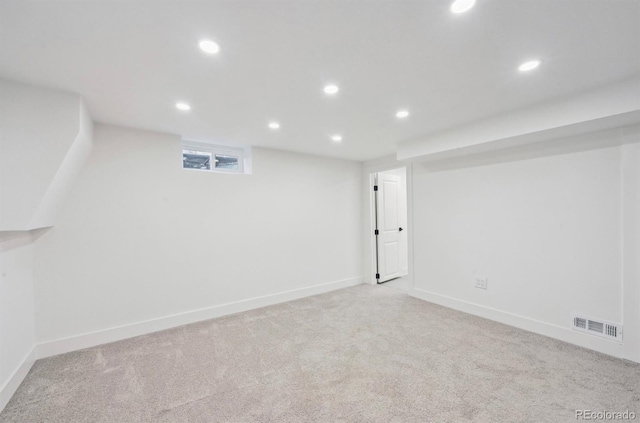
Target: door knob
{"type": "Point", "coordinates": [400, 229]}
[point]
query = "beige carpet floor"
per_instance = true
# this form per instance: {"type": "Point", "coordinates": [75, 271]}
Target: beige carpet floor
{"type": "Point", "coordinates": [363, 354]}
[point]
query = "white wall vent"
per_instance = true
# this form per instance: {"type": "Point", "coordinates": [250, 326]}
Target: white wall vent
{"type": "Point", "coordinates": [598, 327]}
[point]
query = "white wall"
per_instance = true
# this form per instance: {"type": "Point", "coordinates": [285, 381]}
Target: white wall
{"type": "Point", "coordinates": [546, 232]}
{"type": "Point", "coordinates": [45, 136]}
{"type": "Point", "coordinates": [17, 330]}
{"type": "Point", "coordinates": [140, 238]}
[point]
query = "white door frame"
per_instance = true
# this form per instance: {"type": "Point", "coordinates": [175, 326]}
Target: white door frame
{"type": "Point", "coordinates": [369, 170]}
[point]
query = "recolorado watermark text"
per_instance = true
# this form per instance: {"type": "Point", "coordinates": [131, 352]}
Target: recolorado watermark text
{"type": "Point", "coordinates": [605, 415]}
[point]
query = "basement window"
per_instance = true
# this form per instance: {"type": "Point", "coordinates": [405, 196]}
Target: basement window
{"type": "Point", "coordinates": [192, 159]}
{"type": "Point", "coordinates": [214, 158]}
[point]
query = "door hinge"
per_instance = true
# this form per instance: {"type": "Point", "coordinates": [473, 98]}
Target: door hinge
{"type": "Point", "coordinates": [377, 275]}
{"type": "Point", "coordinates": [375, 187]}
{"type": "Point", "coordinates": [376, 232]}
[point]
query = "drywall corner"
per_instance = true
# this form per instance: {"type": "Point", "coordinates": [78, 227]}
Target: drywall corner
{"type": "Point", "coordinates": [69, 169]}
{"type": "Point", "coordinates": [13, 383]}
{"type": "Point", "coordinates": [17, 317]}
{"type": "Point", "coordinates": [630, 174]}
{"type": "Point", "coordinates": [45, 137]}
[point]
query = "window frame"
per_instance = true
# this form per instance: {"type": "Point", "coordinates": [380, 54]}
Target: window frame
{"type": "Point", "coordinates": [215, 150]}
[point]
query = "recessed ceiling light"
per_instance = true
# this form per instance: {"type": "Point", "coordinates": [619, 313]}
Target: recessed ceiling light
{"type": "Point", "coordinates": [331, 89]}
{"type": "Point", "coordinates": [183, 106]}
{"type": "Point", "coordinates": [274, 125]}
{"type": "Point", "coordinates": [402, 114]}
{"type": "Point", "coordinates": [336, 138]}
{"type": "Point", "coordinates": [527, 66]}
{"type": "Point", "coordinates": [461, 6]}
{"type": "Point", "coordinates": [209, 46]}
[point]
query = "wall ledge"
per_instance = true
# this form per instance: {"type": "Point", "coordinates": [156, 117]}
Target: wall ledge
{"type": "Point", "coordinates": [612, 106]}
{"type": "Point", "coordinates": [560, 135]}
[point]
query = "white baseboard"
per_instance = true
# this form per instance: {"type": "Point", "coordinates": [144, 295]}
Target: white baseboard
{"type": "Point", "coordinates": [87, 340]}
{"type": "Point", "coordinates": [10, 387]}
{"type": "Point", "coordinates": [536, 326]}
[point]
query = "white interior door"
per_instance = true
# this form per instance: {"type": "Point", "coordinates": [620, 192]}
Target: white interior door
{"type": "Point", "coordinates": [389, 229]}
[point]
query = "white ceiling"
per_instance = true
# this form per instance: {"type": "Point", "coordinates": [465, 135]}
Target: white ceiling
{"type": "Point", "coordinates": [133, 60]}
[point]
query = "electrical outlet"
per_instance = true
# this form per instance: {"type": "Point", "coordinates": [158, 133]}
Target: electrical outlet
{"type": "Point", "coordinates": [481, 282]}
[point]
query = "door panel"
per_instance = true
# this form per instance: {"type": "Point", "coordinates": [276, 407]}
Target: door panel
{"type": "Point", "coordinates": [391, 257]}
{"type": "Point", "coordinates": [388, 216]}
{"type": "Point", "coordinates": [390, 198]}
